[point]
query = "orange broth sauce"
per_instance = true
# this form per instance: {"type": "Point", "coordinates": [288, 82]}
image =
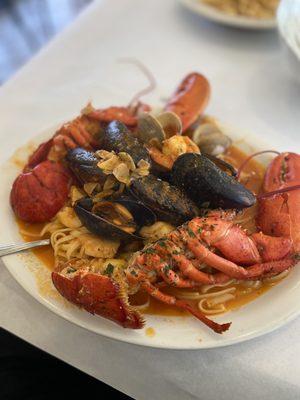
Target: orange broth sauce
{"type": "Point", "coordinates": [254, 173]}
{"type": "Point", "coordinates": [31, 232]}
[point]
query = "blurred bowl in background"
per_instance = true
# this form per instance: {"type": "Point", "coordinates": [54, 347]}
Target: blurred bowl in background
{"type": "Point", "coordinates": [220, 17]}
{"type": "Point", "coordinates": [288, 18]}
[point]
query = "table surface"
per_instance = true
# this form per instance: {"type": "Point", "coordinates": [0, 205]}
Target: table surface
{"type": "Point", "coordinates": [251, 89]}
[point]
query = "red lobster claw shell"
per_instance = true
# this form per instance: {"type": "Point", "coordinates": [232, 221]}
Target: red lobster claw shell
{"type": "Point", "coordinates": [279, 215]}
{"type": "Point", "coordinates": [39, 155]}
{"type": "Point", "coordinates": [37, 195]}
{"type": "Point", "coordinates": [190, 99]}
{"type": "Point", "coordinates": [97, 294]}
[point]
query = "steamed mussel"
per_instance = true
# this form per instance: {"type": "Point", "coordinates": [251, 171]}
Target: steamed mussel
{"type": "Point", "coordinates": [208, 185]}
{"type": "Point", "coordinates": [83, 164]}
{"type": "Point", "coordinates": [118, 138]}
{"type": "Point", "coordinates": [168, 202]}
{"type": "Point", "coordinates": [118, 219]}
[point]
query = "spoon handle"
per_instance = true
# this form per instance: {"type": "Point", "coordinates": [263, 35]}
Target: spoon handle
{"type": "Point", "coordinates": [15, 248]}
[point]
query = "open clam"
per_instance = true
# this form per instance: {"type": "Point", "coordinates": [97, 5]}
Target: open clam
{"type": "Point", "coordinates": [118, 219]}
{"type": "Point", "coordinates": [154, 130]}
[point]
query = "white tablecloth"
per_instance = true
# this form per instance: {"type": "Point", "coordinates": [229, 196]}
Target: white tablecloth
{"type": "Point", "coordinates": [250, 89]}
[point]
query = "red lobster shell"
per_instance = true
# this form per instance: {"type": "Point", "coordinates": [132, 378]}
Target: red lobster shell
{"type": "Point", "coordinates": [190, 99]}
{"type": "Point", "coordinates": [279, 215]}
{"type": "Point", "coordinates": [98, 294]}
{"type": "Point", "coordinates": [37, 195]}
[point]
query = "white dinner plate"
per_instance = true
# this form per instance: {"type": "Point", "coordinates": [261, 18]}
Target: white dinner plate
{"type": "Point", "coordinates": [215, 15]}
{"type": "Point", "coordinates": [270, 311]}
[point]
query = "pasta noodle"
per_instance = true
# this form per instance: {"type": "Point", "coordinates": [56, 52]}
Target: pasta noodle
{"type": "Point", "coordinates": [202, 305]}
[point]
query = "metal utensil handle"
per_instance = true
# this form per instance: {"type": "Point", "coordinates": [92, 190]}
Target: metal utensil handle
{"type": "Point", "coordinates": [15, 248]}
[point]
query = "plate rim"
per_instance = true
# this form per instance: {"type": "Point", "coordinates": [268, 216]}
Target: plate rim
{"type": "Point", "coordinates": [229, 342]}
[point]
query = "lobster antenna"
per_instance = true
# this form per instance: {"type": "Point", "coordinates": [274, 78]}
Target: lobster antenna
{"type": "Point", "coordinates": [242, 166]}
{"type": "Point", "coordinates": [152, 82]}
{"type": "Point", "coordinates": [279, 191]}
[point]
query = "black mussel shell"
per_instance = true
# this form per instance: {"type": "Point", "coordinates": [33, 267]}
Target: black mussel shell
{"type": "Point", "coordinates": [223, 165]}
{"type": "Point", "coordinates": [208, 185]}
{"type": "Point", "coordinates": [143, 216]}
{"type": "Point", "coordinates": [118, 138]}
{"type": "Point", "coordinates": [168, 202]}
{"type": "Point", "coordinates": [83, 164]}
{"type": "Point", "coordinates": [101, 227]}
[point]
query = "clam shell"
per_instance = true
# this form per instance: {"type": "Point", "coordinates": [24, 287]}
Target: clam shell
{"type": "Point", "coordinates": [171, 123]}
{"type": "Point", "coordinates": [149, 128]}
{"type": "Point", "coordinates": [210, 139]}
{"type": "Point", "coordinates": [158, 128]}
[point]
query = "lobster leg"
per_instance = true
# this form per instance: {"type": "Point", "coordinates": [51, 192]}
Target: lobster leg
{"type": "Point", "coordinates": [171, 300]}
{"type": "Point", "coordinates": [166, 273]}
{"type": "Point", "coordinates": [235, 271]}
{"type": "Point", "coordinates": [189, 270]}
{"type": "Point", "coordinates": [173, 279]}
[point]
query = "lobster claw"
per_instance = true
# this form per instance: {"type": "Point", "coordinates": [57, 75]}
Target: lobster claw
{"type": "Point", "coordinates": [97, 294]}
{"type": "Point", "coordinates": [279, 215]}
{"type": "Point", "coordinates": [190, 99]}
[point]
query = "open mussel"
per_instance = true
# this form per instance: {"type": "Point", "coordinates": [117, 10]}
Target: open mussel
{"type": "Point", "coordinates": [118, 138]}
{"type": "Point", "coordinates": [118, 219]}
{"type": "Point", "coordinates": [83, 164]}
{"type": "Point", "coordinates": [205, 183]}
{"type": "Point", "coordinates": [168, 202]}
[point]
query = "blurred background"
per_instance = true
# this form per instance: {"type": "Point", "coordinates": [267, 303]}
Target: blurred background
{"type": "Point", "coordinates": [26, 25]}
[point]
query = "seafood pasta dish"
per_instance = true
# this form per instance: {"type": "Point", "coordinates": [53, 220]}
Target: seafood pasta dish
{"type": "Point", "coordinates": [159, 212]}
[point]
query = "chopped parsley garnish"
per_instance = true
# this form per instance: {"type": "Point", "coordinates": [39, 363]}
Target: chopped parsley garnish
{"type": "Point", "coordinates": [162, 243]}
{"type": "Point", "coordinates": [190, 232]}
{"type": "Point", "coordinates": [109, 269]}
{"type": "Point", "coordinates": [70, 270]}
{"type": "Point", "coordinates": [150, 251]}
{"type": "Point", "coordinates": [167, 268]}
